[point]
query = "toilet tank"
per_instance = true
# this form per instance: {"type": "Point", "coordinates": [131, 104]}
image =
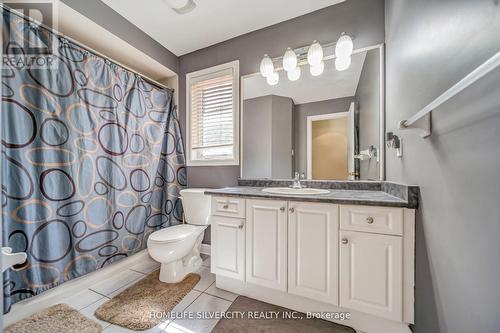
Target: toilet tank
{"type": "Point", "coordinates": [196, 206]}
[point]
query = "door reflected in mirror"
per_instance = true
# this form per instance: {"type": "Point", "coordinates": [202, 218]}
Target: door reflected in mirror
{"type": "Point", "coordinates": [326, 127]}
{"type": "Point", "coordinates": [330, 139]}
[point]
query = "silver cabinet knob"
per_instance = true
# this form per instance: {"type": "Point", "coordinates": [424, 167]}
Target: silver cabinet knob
{"type": "Point", "coordinates": [369, 220]}
{"type": "Point", "coordinates": [345, 241]}
{"type": "Point", "coordinates": [226, 206]}
{"type": "Point", "coordinates": [292, 210]}
{"type": "Point", "coordinates": [241, 226]}
{"type": "Point", "coordinates": [282, 209]}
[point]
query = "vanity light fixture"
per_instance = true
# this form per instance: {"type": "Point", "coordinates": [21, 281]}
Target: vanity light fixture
{"type": "Point", "coordinates": [273, 79]}
{"type": "Point", "coordinates": [266, 66]}
{"type": "Point", "coordinates": [289, 60]}
{"type": "Point", "coordinates": [343, 52]}
{"type": "Point", "coordinates": [344, 46]}
{"type": "Point", "coordinates": [315, 54]}
{"type": "Point", "coordinates": [294, 74]}
{"type": "Point", "coordinates": [317, 70]}
{"type": "Point", "coordinates": [341, 64]}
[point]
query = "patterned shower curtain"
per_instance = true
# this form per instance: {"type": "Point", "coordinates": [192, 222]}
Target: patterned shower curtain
{"type": "Point", "coordinates": [92, 164]}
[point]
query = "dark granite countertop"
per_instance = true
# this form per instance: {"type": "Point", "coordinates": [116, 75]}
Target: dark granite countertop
{"type": "Point", "coordinates": [339, 196]}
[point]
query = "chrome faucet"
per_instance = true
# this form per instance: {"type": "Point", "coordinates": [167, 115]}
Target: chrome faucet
{"type": "Point", "coordinates": [296, 180]}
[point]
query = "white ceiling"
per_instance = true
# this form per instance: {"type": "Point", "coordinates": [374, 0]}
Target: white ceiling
{"type": "Point", "coordinates": [329, 85]}
{"type": "Point", "coordinates": [212, 21]}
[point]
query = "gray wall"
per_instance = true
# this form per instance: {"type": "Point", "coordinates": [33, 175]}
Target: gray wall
{"type": "Point", "coordinates": [257, 137]}
{"type": "Point", "coordinates": [368, 107]}
{"type": "Point", "coordinates": [267, 137]}
{"type": "Point", "coordinates": [430, 46]}
{"type": "Point", "coordinates": [301, 112]}
{"type": "Point", "coordinates": [106, 17]}
{"type": "Point", "coordinates": [363, 19]}
{"type": "Point", "coordinates": [282, 137]}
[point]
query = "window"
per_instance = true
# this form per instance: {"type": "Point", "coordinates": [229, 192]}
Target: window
{"type": "Point", "coordinates": [212, 115]}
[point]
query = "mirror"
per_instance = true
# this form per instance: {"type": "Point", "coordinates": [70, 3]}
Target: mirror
{"type": "Point", "coordinates": [325, 127]}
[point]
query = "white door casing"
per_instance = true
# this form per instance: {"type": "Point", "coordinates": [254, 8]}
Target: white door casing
{"type": "Point", "coordinates": [349, 114]}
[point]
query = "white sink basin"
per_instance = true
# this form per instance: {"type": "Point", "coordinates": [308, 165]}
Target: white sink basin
{"type": "Point", "coordinates": [295, 191]}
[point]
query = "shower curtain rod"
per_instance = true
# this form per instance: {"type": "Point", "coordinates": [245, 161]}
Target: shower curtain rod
{"type": "Point", "coordinates": [86, 47]}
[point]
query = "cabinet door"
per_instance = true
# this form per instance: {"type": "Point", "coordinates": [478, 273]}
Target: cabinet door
{"type": "Point", "coordinates": [228, 247]}
{"type": "Point", "coordinates": [266, 243]}
{"type": "Point", "coordinates": [313, 251]}
{"type": "Point", "coordinates": [371, 273]}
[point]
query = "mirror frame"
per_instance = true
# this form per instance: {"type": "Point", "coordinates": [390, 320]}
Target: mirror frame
{"type": "Point", "coordinates": [381, 150]}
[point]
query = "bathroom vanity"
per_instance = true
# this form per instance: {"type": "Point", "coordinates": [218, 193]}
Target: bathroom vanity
{"type": "Point", "coordinates": [337, 246]}
{"type": "Point", "coordinates": [349, 250]}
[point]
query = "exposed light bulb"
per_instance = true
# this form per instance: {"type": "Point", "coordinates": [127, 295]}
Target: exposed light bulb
{"type": "Point", "coordinates": [315, 54]}
{"type": "Point", "coordinates": [344, 46]}
{"type": "Point", "coordinates": [317, 69]}
{"type": "Point", "coordinates": [266, 66]}
{"type": "Point", "coordinates": [273, 79]}
{"type": "Point", "coordinates": [289, 60]}
{"type": "Point", "coordinates": [342, 64]}
{"type": "Point", "coordinates": [294, 74]}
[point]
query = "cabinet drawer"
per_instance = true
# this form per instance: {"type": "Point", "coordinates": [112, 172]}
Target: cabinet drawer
{"type": "Point", "coordinates": [381, 220]}
{"type": "Point", "coordinates": [228, 206]}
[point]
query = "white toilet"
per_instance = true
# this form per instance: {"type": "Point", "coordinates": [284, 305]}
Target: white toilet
{"type": "Point", "coordinates": [177, 248]}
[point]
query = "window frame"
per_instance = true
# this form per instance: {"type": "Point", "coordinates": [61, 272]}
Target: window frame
{"type": "Point", "coordinates": [206, 74]}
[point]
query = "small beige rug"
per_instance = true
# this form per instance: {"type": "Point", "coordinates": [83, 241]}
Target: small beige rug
{"type": "Point", "coordinates": [59, 318]}
{"type": "Point", "coordinates": [134, 307]}
{"type": "Point", "coordinates": [279, 323]}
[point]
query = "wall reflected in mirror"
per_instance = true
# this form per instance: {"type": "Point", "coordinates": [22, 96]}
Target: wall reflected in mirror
{"type": "Point", "coordinates": [325, 127]}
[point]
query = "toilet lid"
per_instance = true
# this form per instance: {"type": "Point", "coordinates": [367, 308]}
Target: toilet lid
{"type": "Point", "coordinates": [173, 234]}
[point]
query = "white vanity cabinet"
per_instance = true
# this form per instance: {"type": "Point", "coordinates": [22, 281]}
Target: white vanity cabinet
{"type": "Point", "coordinates": [228, 238]}
{"type": "Point", "coordinates": [294, 240]}
{"type": "Point", "coordinates": [313, 251]}
{"type": "Point", "coordinates": [371, 270]}
{"type": "Point", "coordinates": [266, 243]}
{"type": "Point", "coordinates": [371, 260]}
{"type": "Point", "coordinates": [311, 256]}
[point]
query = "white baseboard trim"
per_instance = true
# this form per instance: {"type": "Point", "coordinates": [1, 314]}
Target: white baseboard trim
{"type": "Point", "coordinates": [206, 249]}
{"type": "Point", "coordinates": [68, 288]}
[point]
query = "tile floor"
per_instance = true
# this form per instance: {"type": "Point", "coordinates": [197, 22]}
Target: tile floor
{"type": "Point", "coordinates": [204, 297]}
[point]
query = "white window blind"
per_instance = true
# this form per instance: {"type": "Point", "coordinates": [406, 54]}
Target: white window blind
{"type": "Point", "coordinates": [212, 117]}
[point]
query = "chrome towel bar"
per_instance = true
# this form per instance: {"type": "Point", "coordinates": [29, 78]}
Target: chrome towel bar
{"type": "Point", "coordinates": [422, 119]}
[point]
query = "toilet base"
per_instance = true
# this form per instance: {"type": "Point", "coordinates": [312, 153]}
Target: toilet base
{"type": "Point", "coordinates": [176, 271]}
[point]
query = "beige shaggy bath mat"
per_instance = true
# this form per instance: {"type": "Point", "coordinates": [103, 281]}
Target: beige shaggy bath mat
{"type": "Point", "coordinates": [132, 308]}
{"type": "Point", "coordinates": [59, 318]}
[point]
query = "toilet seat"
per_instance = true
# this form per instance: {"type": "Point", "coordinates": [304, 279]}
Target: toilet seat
{"type": "Point", "coordinates": [174, 234]}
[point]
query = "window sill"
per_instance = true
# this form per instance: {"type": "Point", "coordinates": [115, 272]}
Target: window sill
{"type": "Point", "coordinates": [212, 163]}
